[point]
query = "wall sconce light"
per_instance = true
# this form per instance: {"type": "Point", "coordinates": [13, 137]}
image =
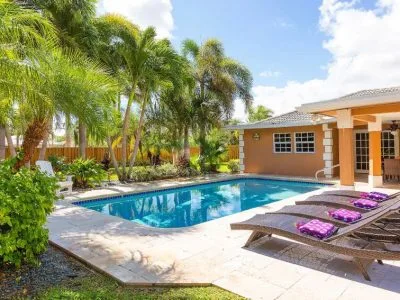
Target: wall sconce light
{"type": "Point", "coordinates": [256, 136]}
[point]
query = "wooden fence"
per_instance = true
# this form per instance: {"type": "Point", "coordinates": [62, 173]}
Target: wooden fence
{"type": "Point", "coordinates": [97, 153]}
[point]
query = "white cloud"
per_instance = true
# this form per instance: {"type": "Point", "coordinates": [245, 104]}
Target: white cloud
{"type": "Point", "coordinates": [157, 13]}
{"type": "Point", "coordinates": [269, 74]}
{"type": "Point", "coordinates": [364, 45]}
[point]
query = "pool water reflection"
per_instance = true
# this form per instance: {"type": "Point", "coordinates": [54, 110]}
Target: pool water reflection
{"type": "Point", "coordinates": [182, 207]}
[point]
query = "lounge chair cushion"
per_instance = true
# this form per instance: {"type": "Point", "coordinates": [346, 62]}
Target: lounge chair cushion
{"type": "Point", "coordinates": [345, 215]}
{"type": "Point", "coordinates": [376, 196]}
{"type": "Point", "coordinates": [365, 203]}
{"type": "Point", "coordinates": [316, 228]}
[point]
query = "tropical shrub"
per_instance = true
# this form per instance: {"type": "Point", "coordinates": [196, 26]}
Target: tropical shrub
{"type": "Point", "coordinates": [27, 197]}
{"type": "Point", "coordinates": [211, 156]}
{"type": "Point", "coordinates": [58, 163]}
{"type": "Point", "coordinates": [86, 172]}
{"type": "Point", "coordinates": [186, 168]}
{"type": "Point", "coordinates": [233, 165]}
{"type": "Point", "coordinates": [167, 170]}
{"type": "Point", "coordinates": [149, 173]}
{"type": "Point", "coordinates": [143, 173]}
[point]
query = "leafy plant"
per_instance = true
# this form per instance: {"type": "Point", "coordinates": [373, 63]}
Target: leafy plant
{"type": "Point", "coordinates": [214, 147]}
{"type": "Point", "coordinates": [86, 172]}
{"type": "Point", "coordinates": [186, 168]}
{"type": "Point", "coordinates": [58, 163]}
{"type": "Point", "coordinates": [144, 173]}
{"type": "Point", "coordinates": [27, 197]}
{"type": "Point", "coordinates": [233, 165]}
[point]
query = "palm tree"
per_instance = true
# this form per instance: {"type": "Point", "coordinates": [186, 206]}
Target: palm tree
{"type": "Point", "coordinates": [144, 64]}
{"type": "Point", "coordinates": [219, 81]}
{"type": "Point", "coordinates": [74, 21]}
{"type": "Point", "coordinates": [23, 34]}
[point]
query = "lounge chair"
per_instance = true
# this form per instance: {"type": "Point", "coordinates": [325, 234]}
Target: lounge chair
{"type": "Point", "coordinates": [45, 167]}
{"type": "Point", "coordinates": [321, 213]}
{"type": "Point", "coordinates": [340, 201]}
{"type": "Point", "coordinates": [347, 240]}
{"type": "Point", "coordinates": [351, 194]}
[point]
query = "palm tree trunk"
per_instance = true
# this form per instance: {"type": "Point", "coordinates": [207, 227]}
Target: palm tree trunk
{"type": "Point", "coordinates": [82, 140]}
{"type": "Point", "coordinates": [42, 153]}
{"type": "Point", "coordinates": [202, 141]}
{"type": "Point", "coordinates": [2, 142]}
{"type": "Point", "coordinates": [113, 158]}
{"type": "Point", "coordinates": [124, 139]}
{"type": "Point", "coordinates": [35, 133]}
{"type": "Point", "coordinates": [186, 146]}
{"type": "Point", "coordinates": [138, 136]}
{"type": "Point", "coordinates": [68, 132]}
{"type": "Point", "coordinates": [10, 143]}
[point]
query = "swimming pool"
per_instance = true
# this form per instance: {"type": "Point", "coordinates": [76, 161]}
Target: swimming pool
{"type": "Point", "coordinates": [187, 206]}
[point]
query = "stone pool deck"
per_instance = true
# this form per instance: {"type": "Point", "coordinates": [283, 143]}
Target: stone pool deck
{"type": "Point", "coordinates": [211, 253]}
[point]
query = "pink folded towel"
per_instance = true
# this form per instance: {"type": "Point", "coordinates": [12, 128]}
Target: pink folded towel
{"type": "Point", "coordinates": [316, 228]}
{"type": "Point", "coordinates": [365, 203]}
{"type": "Point", "coordinates": [345, 215]}
{"type": "Point", "coordinates": [376, 196]}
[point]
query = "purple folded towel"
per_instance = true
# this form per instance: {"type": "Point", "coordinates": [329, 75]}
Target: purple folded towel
{"type": "Point", "coordinates": [345, 215]}
{"type": "Point", "coordinates": [376, 196]}
{"type": "Point", "coordinates": [365, 203]}
{"type": "Point", "coordinates": [316, 228]}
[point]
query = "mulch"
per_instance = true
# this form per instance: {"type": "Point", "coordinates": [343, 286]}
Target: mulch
{"type": "Point", "coordinates": [55, 267]}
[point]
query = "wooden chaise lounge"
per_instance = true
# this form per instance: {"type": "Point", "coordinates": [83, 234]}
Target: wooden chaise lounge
{"type": "Point", "coordinates": [348, 240]}
{"type": "Point", "coordinates": [340, 202]}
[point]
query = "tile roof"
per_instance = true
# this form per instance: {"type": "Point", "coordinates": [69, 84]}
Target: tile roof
{"type": "Point", "coordinates": [373, 93]}
{"type": "Point", "coordinates": [291, 119]}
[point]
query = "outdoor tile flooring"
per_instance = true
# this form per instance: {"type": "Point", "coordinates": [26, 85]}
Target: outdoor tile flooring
{"type": "Point", "coordinates": [211, 253]}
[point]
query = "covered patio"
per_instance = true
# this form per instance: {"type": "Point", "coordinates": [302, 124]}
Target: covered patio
{"type": "Point", "coordinates": [373, 109]}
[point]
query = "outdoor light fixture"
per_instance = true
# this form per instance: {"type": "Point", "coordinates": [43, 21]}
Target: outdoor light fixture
{"type": "Point", "coordinates": [394, 128]}
{"type": "Point", "coordinates": [256, 136]}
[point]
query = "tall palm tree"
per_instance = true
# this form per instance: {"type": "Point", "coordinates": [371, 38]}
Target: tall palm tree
{"type": "Point", "coordinates": [23, 33]}
{"type": "Point", "coordinates": [74, 21]}
{"type": "Point", "coordinates": [143, 62]}
{"type": "Point", "coordinates": [219, 81]}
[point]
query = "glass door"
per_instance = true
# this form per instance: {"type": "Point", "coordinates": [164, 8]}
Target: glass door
{"type": "Point", "coordinates": [361, 151]}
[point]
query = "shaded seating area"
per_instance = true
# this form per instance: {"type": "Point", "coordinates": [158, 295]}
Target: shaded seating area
{"type": "Point", "coordinates": [364, 240]}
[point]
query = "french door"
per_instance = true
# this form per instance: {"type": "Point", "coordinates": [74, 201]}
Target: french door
{"type": "Point", "coordinates": [361, 145]}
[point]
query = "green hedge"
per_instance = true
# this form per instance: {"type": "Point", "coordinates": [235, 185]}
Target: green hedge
{"type": "Point", "coordinates": [26, 198]}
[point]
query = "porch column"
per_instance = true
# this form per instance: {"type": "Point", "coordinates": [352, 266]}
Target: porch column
{"type": "Point", "coordinates": [346, 148]}
{"type": "Point", "coordinates": [375, 155]}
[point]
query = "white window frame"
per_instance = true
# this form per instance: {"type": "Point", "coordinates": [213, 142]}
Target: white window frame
{"type": "Point", "coordinates": [275, 143]}
{"type": "Point", "coordinates": [301, 142]}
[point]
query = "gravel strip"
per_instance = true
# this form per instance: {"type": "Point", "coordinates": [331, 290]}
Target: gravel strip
{"type": "Point", "coordinates": [55, 267]}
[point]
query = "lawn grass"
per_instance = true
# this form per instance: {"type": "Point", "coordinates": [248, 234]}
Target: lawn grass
{"type": "Point", "coordinates": [102, 288]}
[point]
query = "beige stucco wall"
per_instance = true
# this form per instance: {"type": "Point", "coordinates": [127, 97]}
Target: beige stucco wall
{"type": "Point", "coordinates": [259, 156]}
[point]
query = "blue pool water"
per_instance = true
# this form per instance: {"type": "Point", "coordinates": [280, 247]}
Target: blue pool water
{"type": "Point", "coordinates": [182, 207]}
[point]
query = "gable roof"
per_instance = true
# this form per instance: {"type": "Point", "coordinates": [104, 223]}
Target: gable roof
{"type": "Point", "coordinates": [357, 99]}
{"type": "Point", "coordinates": [291, 119]}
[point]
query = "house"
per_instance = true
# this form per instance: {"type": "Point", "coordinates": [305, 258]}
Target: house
{"type": "Point", "coordinates": [342, 137]}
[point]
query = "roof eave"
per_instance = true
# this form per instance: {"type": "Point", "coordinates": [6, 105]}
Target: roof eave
{"type": "Point", "coordinates": [335, 104]}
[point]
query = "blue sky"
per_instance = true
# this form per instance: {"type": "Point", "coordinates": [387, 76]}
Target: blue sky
{"type": "Point", "coordinates": [298, 51]}
{"type": "Point", "coordinates": [281, 38]}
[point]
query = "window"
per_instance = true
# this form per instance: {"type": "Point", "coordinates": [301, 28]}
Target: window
{"type": "Point", "coordinates": [305, 142]}
{"type": "Point", "coordinates": [282, 143]}
{"type": "Point", "coordinates": [388, 146]}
